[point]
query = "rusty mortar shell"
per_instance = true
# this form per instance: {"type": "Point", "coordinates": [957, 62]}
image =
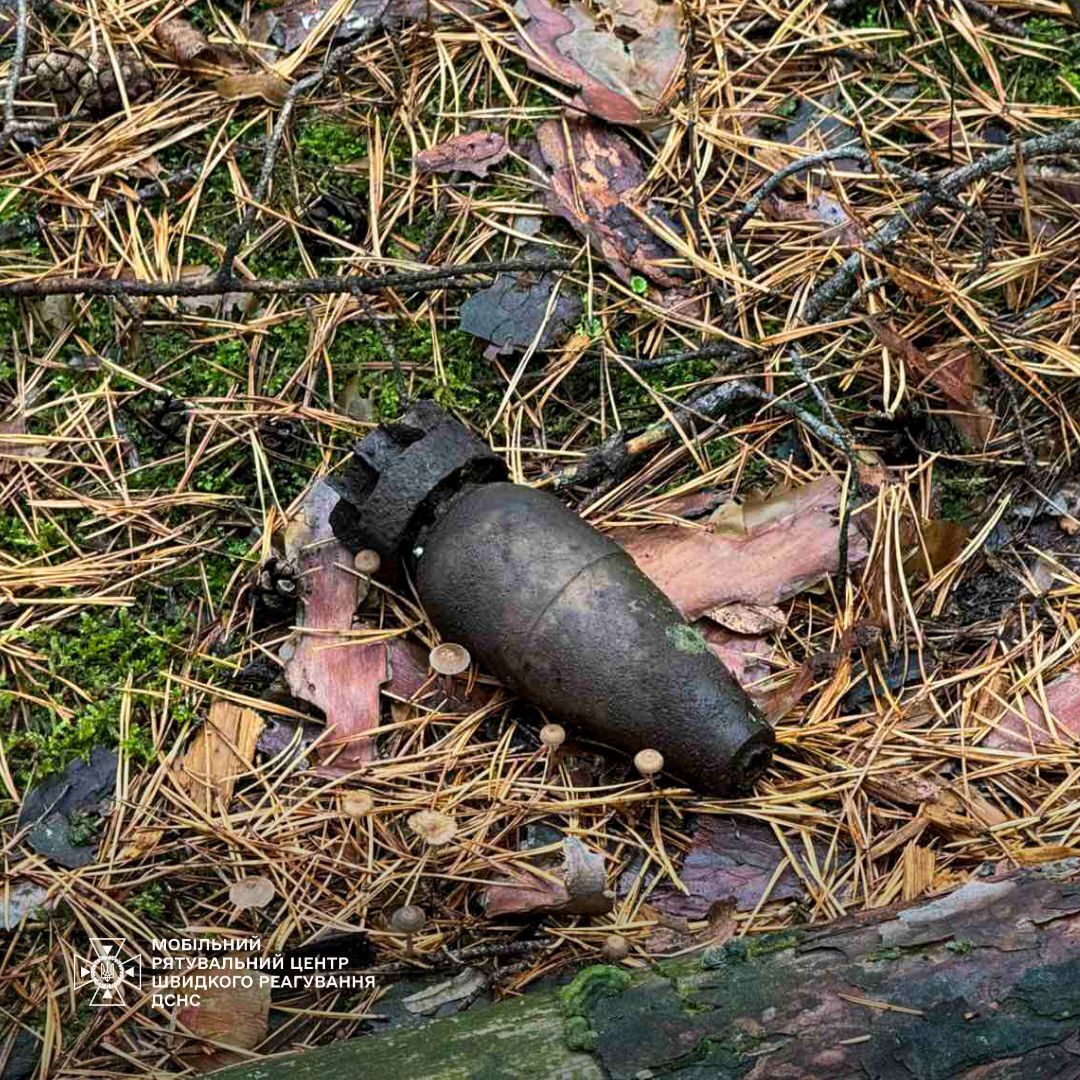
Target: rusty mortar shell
{"type": "Point", "coordinates": [555, 609]}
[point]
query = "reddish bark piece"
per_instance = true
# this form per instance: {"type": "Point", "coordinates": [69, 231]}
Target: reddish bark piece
{"type": "Point", "coordinates": [733, 860]}
{"type": "Point", "coordinates": [324, 668]}
{"type": "Point", "coordinates": [473, 153]}
{"type": "Point", "coordinates": [621, 83]}
{"type": "Point", "coordinates": [777, 548]}
{"type": "Point", "coordinates": [579, 887]}
{"type": "Point", "coordinates": [1031, 728]}
{"type": "Point", "coordinates": [594, 186]}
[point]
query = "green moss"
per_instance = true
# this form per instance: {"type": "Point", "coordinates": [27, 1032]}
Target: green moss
{"type": "Point", "coordinates": [742, 950]}
{"type": "Point", "coordinates": [95, 653]}
{"type": "Point", "coordinates": [687, 639]}
{"type": "Point", "coordinates": [592, 984]}
{"type": "Point", "coordinates": [330, 142]}
{"type": "Point", "coordinates": [149, 900]}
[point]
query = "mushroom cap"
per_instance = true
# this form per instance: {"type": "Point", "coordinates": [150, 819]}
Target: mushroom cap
{"type": "Point", "coordinates": [434, 827]}
{"type": "Point", "coordinates": [553, 735]}
{"type": "Point", "coordinates": [616, 947]}
{"type": "Point", "coordinates": [367, 561]}
{"type": "Point", "coordinates": [449, 658]}
{"type": "Point", "coordinates": [357, 804]}
{"type": "Point", "coordinates": [408, 919]}
{"type": "Point", "coordinates": [648, 762]}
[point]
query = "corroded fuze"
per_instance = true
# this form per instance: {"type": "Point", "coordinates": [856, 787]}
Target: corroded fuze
{"type": "Point", "coordinates": [558, 611]}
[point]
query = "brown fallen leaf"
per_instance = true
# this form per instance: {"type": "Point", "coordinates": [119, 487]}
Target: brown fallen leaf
{"type": "Point", "coordinates": [745, 656]}
{"type": "Point", "coordinates": [674, 934]}
{"type": "Point", "coordinates": [578, 887]}
{"type": "Point", "coordinates": [594, 186]}
{"type": "Point", "coordinates": [323, 667]}
{"type": "Point", "coordinates": [617, 82]}
{"type": "Point", "coordinates": [1030, 728]}
{"type": "Point", "coordinates": [953, 370]}
{"type": "Point", "coordinates": [273, 89]}
{"type": "Point", "coordinates": [770, 550]}
{"type": "Point", "coordinates": [942, 542]}
{"type": "Point", "coordinates": [473, 153]}
{"type": "Point", "coordinates": [233, 1016]}
{"type": "Point", "coordinates": [729, 860]}
{"type": "Point", "coordinates": [821, 208]}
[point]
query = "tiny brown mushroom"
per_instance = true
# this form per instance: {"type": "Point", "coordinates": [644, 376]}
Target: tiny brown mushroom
{"type": "Point", "coordinates": [408, 919]}
{"type": "Point", "coordinates": [615, 948]}
{"type": "Point", "coordinates": [367, 561]}
{"type": "Point", "coordinates": [449, 658]}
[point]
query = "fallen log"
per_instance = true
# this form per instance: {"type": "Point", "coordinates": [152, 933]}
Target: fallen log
{"type": "Point", "coordinates": [982, 983]}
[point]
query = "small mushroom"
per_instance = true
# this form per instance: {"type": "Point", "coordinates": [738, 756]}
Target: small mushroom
{"type": "Point", "coordinates": [449, 658]}
{"type": "Point", "coordinates": [408, 919]}
{"type": "Point", "coordinates": [357, 804]}
{"type": "Point", "coordinates": [433, 827]}
{"type": "Point", "coordinates": [552, 736]}
{"type": "Point", "coordinates": [252, 892]}
{"type": "Point", "coordinates": [649, 762]}
{"type": "Point", "coordinates": [616, 948]}
{"type": "Point", "coordinates": [367, 561]}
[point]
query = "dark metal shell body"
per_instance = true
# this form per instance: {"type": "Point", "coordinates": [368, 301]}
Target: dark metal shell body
{"type": "Point", "coordinates": [563, 615]}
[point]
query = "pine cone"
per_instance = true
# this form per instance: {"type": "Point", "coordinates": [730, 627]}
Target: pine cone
{"type": "Point", "coordinates": [69, 77]}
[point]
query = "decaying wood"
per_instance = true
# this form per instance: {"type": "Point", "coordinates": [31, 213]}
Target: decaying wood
{"type": "Point", "coordinates": [983, 982]}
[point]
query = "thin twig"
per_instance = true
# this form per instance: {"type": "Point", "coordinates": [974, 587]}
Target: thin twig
{"type": "Point", "coordinates": [334, 284]}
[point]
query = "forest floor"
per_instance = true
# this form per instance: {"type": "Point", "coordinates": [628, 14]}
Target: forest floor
{"type": "Point", "coordinates": [767, 244]}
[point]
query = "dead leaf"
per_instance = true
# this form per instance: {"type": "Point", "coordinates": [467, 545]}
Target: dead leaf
{"type": "Point", "coordinates": [252, 892]}
{"type": "Point", "coordinates": [783, 544]}
{"type": "Point", "coordinates": [1030, 729]}
{"type": "Point", "coordinates": [17, 443]}
{"type": "Point", "coordinates": [513, 312]}
{"type": "Point", "coordinates": [54, 314]}
{"type": "Point", "coordinates": [578, 887]}
{"type": "Point", "coordinates": [181, 41]}
{"type": "Point", "coordinates": [594, 186]}
{"type": "Point", "coordinates": [729, 860]}
{"type": "Point", "coordinates": [617, 82]}
{"type": "Point", "coordinates": [942, 542]}
{"type": "Point", "coordinates": [953, 370]}
{"type": "Point", "coordinates": [323, 667]}
{"type": "Point", "coordinates": [261, 84]}
{"type": "Point", "coordinates": [674, 935]}
{"type": "Point", "coordinates": [223, 305]}
{"type": "Point", "coordinates": [473, 153]}
{"type": "Point", "coordinates": [746, 657]}
{"type": "Point", "coordinates": [19, 900]}
{"type": "Point", "coordinates": [821, 208]}
{"type": "Point", "coordinates": [51, 808]}
{"type": "Point", "coordinates": [235, 1017]}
